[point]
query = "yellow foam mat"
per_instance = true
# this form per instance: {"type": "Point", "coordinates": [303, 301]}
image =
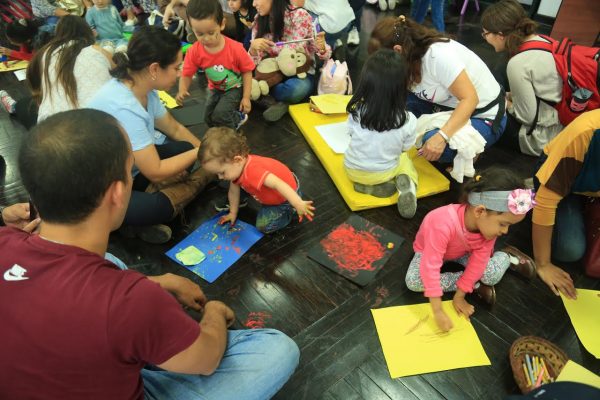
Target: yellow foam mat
{"type": "Point", "coordinates": [431, 181]}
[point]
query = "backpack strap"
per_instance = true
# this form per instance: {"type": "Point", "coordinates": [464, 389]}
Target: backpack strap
{"type": "Point", "coordinates": [545, 45]}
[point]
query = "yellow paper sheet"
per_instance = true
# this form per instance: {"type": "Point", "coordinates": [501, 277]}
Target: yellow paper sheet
{"type": "Point", "coordinates": [331, 103]}
{"type": "Point", "coordinates": [167, 100]}
{"type": "Point", "coordinates": [413, 344]}
{"type": "Point", "coordinates": [573, 372]}
{"type": "Point", "coordinates": [13, 65]}
{"type": "Point", "coordinates": [431, 181]}
{"type": "Point", "coordinates": [586, 318]}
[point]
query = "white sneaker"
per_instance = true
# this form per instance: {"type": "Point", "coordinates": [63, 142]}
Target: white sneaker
{"type": "Point", "coordinates": [353, 37]}
{"type": "Point", "coordinates": [382, 5]}
{"type": "Point", "coordinates": [338, 43]}
{"type": "Point", "coordinates": [131, 22]}
{"type": "Point", "coordinates": [407, 199]}
{"type": "Point", "coordinates": [391, 4]}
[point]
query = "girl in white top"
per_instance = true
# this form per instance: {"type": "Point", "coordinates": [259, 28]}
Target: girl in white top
{"type": "Point", "coordinates": [532, 75]}
{"type": "Point", "coordinates": [67, 72]}
{"type": "Point", "coordinates": [381, 131]}
{"type": "Point", "coordinates": [444, 75]}
{"type": "Point", "coordinates": [333, 16]}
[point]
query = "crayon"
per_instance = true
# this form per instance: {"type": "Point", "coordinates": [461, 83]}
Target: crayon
{"type": "Point", "coordinates": [526, 375]}
{"type": "Point", "coordinates": [529, 368]}
{"type": "Point", "coordinates": [539, 378]}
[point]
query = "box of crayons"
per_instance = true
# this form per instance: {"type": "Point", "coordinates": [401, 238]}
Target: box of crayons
{"type": "Point", "coordinates": [535, 362]}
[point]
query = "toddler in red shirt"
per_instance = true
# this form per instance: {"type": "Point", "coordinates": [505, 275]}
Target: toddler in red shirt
{"type": "Point", "coordinates": [270, 182]}
{"type": "Point", "coordinates": [225, 62]}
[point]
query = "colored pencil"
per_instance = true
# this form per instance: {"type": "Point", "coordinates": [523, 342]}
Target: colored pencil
{"type": "Point", "coordinates": [539, 378]}
{"type": "Point", "coordinates": [526, 373]}
{"type": "Point", "coordinates": [293, 41]}
{"type": "Point", "coordinates": [529, 368]}
{"type": "Point", "coordinates": [548, 377]}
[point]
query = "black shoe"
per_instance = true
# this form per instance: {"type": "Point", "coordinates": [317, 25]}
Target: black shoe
{"type": "Point", "coordinates": [224, 206]}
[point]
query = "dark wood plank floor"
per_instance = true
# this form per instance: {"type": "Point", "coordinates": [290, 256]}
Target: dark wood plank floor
{"type": "Point", "coordinates": [327, 315]}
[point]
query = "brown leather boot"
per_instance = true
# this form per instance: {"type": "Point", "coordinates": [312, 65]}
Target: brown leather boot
{"type": "Point", "coordinates": [486, 293]}
{"type": "Point", "coordinates": [181, 193]}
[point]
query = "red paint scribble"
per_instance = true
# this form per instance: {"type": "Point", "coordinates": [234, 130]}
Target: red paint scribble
{"type": "Point", "coordinates": [227, 248]}
{"type": "Point", "coordinates": [352, 250]}
{"type": "Point", "coordinates": [234, 239]}
{"type": "Point", "coordinates": [210, 252]}
{"type": "Point", "coordinates": [256, 320]}
{"type": "Point", "coordinates": [237, 249]}
{"type": "Point", "coordinates": [219, 247]}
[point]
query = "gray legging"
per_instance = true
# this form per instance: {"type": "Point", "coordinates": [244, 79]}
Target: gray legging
{"type": "Point", "coordinates": [494, 271]}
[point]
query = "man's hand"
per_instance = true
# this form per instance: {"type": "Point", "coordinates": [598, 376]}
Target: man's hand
{"type": "Point", "coordinates": [18, 216]}
{"type": "Point", "coordinates": [185, 291]}
{"type": "Point", "coordinates": [221, 308]}
{"type": "Point", "coordinates": [557, 280]}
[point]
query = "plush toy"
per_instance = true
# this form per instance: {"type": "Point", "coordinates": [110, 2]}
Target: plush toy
{"type": "Point", "coordinates": [271, 71]}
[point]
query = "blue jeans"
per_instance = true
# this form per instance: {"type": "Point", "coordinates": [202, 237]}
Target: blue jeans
{"type": "Point", "coordinates": [483, 126]}
{"type": "Point", "coordinates": [568, 236]}
{"type": "Point", "coordinates": [293, 90]}
{"type": "Point", "coordinates": [256, 364]}
{"type": "Point", "coordinates": [419, 11]}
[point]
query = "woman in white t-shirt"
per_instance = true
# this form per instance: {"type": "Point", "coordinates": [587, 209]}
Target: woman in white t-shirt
{"type": "Point", "coordinates": [67, 72]}
{"type": "Point", "coordinates": [532, 76]}
{"type": "Point", "coordinates": [444, 76]}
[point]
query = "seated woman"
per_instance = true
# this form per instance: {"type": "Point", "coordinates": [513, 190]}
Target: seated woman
{"type": "Point", "coordinates": [161, 184]}
{"type": "Point", "coordinates": [279, 21]}
{"type": "Point", "coordinates": [567, 178]}
{"type": "Point", "coordinates": [67, 72]}
{"type": "Point", "coordinates": [444, 76]}
{"type": "Point", "coordinates": [532, 76]}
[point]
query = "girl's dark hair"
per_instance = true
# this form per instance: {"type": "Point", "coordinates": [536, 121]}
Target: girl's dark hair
{"type": "Point", "coordinates": [273, 23]}
{"type": "Point", "coordinates": [205, 9]}
{"type": "Point", "coordinates": [72, 35]}
{"type": "Point", "coordinates": [414, 39]}
{"type": "Point", "coordinates": [247, 4]}
{"type": "Point", "coordinates": [508, 18]}
{"type": "Point", "coordinates": [379, 102]}
{"type": "Point", "coordinates": [492, 179]}
{"type": "Point", "coordinates": [148, 45]}
{"type": "Point", "coordinates": [23, 31]}
{"type": "Point", "coordinates": [223, 144]}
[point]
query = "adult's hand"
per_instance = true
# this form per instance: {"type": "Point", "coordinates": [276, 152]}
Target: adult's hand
{"type": "Point", "coordinates": [18, 215]}
{"type": "Point", "coordinates": [222, 309]}
{"type": "Point", "coordinates": [260, 44]}
{"type": "Point", "coordinates": [187, 292]}
{"type": "Point", "coordinates": [434, 147]}
{"type": "Point", "coordinates": [167, 15]}
{"type": "Point", "coordinates": [557, 280]}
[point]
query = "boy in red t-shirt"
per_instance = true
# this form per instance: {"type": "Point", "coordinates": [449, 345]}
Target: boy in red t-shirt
{"type": "Point", "coordinates": [227, 66]}
{"type": "Point", "coordinates": [270, 182]}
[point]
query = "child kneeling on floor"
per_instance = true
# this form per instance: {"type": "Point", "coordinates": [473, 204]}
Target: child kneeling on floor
{"type": "Point", "coordinates": [466, 234]}
{"type": "Point", "coordinates": [381, 131]}
{"type": "Point", "coordinates": [226, 154]}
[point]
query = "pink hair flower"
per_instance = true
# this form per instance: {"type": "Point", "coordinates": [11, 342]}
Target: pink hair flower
{"type": "Point", "coordinates": [520, 201]}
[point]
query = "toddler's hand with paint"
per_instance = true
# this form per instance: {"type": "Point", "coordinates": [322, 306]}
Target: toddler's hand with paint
{"type": "Point", "coordinates": [305, 209]}
{"type": "Point", "coordinates": [442, 320]}
{"type": "Point", "coordinates": [228, 218]}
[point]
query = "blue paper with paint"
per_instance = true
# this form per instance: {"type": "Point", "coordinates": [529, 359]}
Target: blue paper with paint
{"type": "Point", "coordinates": [223, 245]}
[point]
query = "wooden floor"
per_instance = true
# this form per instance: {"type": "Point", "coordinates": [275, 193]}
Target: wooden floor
{"type": "Point", "coordinates": [276, 285]}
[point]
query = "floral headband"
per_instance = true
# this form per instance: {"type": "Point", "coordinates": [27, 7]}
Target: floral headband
{"type": "Point", "coordinates": [518, 201]}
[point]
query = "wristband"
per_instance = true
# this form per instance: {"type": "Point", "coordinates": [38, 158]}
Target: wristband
{"type": "Point", "coordinates": [443, 135]}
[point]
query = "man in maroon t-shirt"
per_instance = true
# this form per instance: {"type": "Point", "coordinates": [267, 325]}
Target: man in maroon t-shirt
{"type": "Point", "coordinates": [74, 326]}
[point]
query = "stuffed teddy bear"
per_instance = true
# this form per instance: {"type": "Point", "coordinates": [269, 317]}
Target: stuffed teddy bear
{"type": "Point", "coordinates": [271, 71]}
